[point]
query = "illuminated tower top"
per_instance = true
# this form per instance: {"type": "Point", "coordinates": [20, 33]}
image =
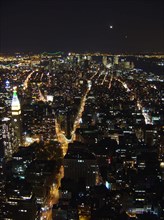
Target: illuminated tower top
{"type": "Point", "coordinates": [7, 84]}
{"type": "Point", "coordinates": [15, 104]}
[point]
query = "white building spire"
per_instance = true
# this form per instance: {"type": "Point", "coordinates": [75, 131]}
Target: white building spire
{"type": "Point", "coordinates": [15, 104]}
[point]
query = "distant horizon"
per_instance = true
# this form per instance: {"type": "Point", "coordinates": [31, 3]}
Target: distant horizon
{"type": "Point", "coordinates": [82, 52]}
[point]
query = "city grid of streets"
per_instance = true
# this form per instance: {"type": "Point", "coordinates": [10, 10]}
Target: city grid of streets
{"type": "Point", "coordinates": [106, 80]}
{"type": "Point", "coordinates": [44, 76]}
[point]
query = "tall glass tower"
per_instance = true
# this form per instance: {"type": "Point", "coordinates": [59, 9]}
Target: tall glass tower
{"type": "Point", "coordinates": [16, 116]}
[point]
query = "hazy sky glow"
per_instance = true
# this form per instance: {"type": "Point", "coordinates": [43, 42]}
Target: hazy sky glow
{"type": "Point", "coordinates": [72, 25]}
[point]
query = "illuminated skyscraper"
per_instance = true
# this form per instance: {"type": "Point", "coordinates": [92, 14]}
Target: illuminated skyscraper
{"type": "Point", "coordinates": [104, 60]}
{"type": "Point", "coordinates": [116, 61]}
{"type": "Point", "coordinates": [7, 137]}
{"type": "Point", "coordinates": [8, 140]}
{"type": "Point", "coordinates": [7, 85]}
{"type": "Point", "coordinates": [16, 116]}
{"type": "Point", "coordinates": [7, 148]}
{"type": "Point", "coordinates": [2, 177]}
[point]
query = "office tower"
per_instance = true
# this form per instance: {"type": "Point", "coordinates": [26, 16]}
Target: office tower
{"type": "Point", "coordinates": [7, 85]}
{"type": "Point", "coordinates": [6, 151]}
{"type": "Point", "coordinates": [104, 60]}
{"type": "Point", "coordinates": [20, 201]}
{"type": "Point", "coordinates": [16, 116]}
{"type": "Point", "coordinates": [2, 175]}
{"type": "Point", "coordinates": [151, 135]}
{"type": "Point", "coordinates": [115, 60]}
{"type": "Point", "coordinates": [81, 166]}
{"type": "Point", "coordinates": [7, 137]}
{"type": "Point", "coordinates": [5, 145]}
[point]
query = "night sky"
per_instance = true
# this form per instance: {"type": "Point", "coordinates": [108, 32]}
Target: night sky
{"type": "Point", "coordinates": [82, 26]}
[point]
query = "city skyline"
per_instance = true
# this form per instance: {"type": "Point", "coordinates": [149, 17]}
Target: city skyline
{"type": "Point", "coordinates": [81, 136]}
{"type": "Point", "coordinates": [81, 109]}
{"type": "Point", "coordinates": [82, 26]}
